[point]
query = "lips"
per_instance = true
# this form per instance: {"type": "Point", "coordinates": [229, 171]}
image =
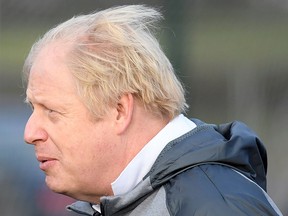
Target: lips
{"type": "Point", "coordinates": [46, 162]}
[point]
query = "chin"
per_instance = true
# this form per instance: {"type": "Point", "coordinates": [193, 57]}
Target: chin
{"type": "Point", "coordinates": [56, 185]}
{"type": "Point", "coordinates": [60, 187]}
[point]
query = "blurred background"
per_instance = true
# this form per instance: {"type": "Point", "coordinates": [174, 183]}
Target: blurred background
{"type": "Point", "coordinates": [231, 55]}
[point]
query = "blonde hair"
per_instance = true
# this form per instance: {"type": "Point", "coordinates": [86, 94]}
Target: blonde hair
{"type": "Point", "coordinates": [113, 53]}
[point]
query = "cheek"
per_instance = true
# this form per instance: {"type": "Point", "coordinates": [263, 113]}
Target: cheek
{"type": "Point", "coordinates": [84, 149]}
{"type": "Point", "coordinates": [85, 163]}
{"type": "Point", "coordinates": [88, 145]}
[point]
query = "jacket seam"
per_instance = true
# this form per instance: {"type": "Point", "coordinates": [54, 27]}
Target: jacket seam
{"type": "Point", "coordinates": [178, 140]}
{"type": "Point", "coordinates": [210, 180]}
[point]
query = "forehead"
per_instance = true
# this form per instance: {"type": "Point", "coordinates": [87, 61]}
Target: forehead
{"type": "Point", "coordinates": [49, 72]}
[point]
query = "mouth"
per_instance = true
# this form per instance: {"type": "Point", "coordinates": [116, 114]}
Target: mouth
{"type": "Point", "coordinates": [46, 163]}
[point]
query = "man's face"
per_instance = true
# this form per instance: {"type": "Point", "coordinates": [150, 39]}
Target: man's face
{"type": "Point", "coordinates": [77, 153]}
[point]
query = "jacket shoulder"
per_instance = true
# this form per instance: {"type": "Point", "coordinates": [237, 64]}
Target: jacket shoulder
{"type": "Point", "coordinates": [215, 189]}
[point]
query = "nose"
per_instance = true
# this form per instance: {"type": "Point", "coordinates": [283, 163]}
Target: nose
{"type": "Point", "coordinates": [34, 130]}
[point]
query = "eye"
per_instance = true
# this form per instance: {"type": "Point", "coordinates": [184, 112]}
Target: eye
{"type": "Point", "coordinates": [53, 115]}
{"type": "Point", "coordinates": [50, 110]}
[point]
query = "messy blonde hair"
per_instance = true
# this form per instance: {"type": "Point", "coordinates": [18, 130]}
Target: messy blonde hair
{"type": "Point", "coordinates": [114, 52]}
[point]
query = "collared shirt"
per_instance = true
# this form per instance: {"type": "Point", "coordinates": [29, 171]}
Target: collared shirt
{"type": "Point", "coordinates": [144, 160]}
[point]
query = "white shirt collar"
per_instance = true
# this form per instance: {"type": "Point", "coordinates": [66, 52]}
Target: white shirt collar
{"type": "Point", "coordinates": [143, 161]}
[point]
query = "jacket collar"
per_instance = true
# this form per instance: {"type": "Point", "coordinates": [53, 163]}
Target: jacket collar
{"type": "Point", "coordinates": [82, 207]}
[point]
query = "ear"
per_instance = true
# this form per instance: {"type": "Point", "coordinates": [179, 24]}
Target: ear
{"type": "Point", "coordinates": [124, 109]}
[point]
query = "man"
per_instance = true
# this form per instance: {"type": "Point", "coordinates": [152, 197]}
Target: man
{"type": "Point", "coordinates": [108, 128]}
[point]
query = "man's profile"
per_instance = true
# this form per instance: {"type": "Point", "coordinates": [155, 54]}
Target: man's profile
{"type": "Point", "coordinates": [109, 126]}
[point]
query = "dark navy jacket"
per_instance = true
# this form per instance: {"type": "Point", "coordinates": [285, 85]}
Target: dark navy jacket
{"type": "Point", "coordinates": [209, 171]}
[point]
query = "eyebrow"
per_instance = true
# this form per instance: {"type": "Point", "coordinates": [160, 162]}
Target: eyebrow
{"type": "Point", "coordinates": [26, 100]}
